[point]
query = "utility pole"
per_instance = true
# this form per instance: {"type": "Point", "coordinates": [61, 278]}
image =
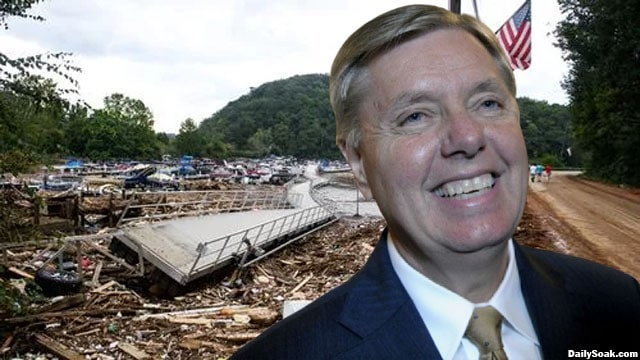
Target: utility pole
{"type": "Point", "coordinates": [454, 6]}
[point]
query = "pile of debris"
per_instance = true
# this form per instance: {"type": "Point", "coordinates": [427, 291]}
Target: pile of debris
{"type": "Point", "coordinates": [115, 316]}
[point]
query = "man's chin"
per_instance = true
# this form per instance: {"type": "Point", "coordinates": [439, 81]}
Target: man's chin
{"type": "Point", "coordinates": [471, 245]}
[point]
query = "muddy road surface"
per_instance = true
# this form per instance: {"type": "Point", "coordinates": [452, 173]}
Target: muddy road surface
{"type": "Point", "coordinates": [592, 220]}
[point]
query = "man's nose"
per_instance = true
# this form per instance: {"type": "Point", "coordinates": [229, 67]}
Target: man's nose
{"type": "Point", "coordinates": [464, 135]}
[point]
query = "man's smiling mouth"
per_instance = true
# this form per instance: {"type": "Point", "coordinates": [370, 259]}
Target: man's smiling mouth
{"type": "Point", "coordinates": [466, 188]}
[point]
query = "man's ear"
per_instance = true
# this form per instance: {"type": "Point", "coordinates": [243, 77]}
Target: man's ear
{"type": "Point", "coordinates": [355, 161]}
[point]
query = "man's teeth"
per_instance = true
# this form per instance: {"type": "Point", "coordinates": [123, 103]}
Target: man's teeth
{"type": "Point", "coordinates": [462, 188]}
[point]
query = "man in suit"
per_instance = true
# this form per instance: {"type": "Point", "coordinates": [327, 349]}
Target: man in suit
{"type": "Point", "coordinates": [426, 111]}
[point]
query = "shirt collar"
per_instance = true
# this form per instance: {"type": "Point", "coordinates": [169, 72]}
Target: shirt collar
{"type": "Point", "coordinates": [447, 327]}
{"type": "Point", "coordinates": [509, 301]}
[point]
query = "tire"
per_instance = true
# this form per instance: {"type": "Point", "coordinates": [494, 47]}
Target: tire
{"type": "Point", "coordinates": [58, 282]}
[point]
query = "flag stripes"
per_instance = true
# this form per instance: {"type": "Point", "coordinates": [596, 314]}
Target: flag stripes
{"type": "Point", "coordinates": [515, 37]}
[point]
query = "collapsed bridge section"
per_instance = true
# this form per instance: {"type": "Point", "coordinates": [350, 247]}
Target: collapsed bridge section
{"type": "Point", "coordinates": [186, 249]}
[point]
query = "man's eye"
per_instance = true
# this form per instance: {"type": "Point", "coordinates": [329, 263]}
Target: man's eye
{"type": "Point", "coordinates": [414, 117]}
{"type": "Point", "coordinates": [490, 104]}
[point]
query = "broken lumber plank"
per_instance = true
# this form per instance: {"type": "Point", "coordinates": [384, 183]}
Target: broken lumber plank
{"type": "Point", "coordinates": [301, 284]}
{"type": "Point", "coordinates": [6, 345]}
{"type": "Point", "coordinates": [238, 337]}
{"type": "Point", "coordinates": [105, 286]}
{"type": "Point", "coordinates": [96, 274]}
{"type": "Point", "coordinates": [190, 321]}
{"type": "Point", "coordinates": [57, 348]}
{"type": "Point", "coordinates": [90, 237]}
{"type": "Point", "coordinates": [193, 312]}
{"type": "Point", "coordinates": [64, 302]}
{"type": "Point", "coordinates": [70, 313]}
{"type": "Point", "coordinates": [89, 332]}
{"type": "Point", "coordinates": [193, 344]}
{"type": "Point", "coordinates": [133, 351]}
{"type": "Point", "coordinates": [21, 273]}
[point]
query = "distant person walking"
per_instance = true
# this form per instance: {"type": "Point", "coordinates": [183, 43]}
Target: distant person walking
{"type": "Point", "coordinates": [539, 170]}
{"type": "Point", "coordinates": [532, 172]}
{"type": "Point", "coordinates": [547, 172]}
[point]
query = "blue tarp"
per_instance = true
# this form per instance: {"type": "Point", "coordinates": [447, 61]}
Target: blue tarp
{"type": "Point", "coordinates": [73, 164]}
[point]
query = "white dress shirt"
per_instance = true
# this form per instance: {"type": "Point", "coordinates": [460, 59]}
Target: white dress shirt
{"type": "Point", "coordinates": [446, 314]}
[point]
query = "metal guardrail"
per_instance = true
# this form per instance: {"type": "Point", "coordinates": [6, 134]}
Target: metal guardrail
{"type": "Point", "coordinates": [254, 240]}
{"type": "Point", "coordinates": [319, 196]}
{"type": "Point", "coordinates": [201, 202]}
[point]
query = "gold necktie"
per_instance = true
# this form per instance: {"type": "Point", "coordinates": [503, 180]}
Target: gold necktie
{"type": "Point", "coordinates": [484, 332]}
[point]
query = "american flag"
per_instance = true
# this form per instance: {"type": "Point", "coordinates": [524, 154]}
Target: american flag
{"type": "Point", "coordinates": [515, 37]}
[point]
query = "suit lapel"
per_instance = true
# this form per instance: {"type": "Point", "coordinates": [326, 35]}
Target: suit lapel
{"type": "Point", "coordinates": [548, 303]}
{"type": "Point", "coordinates": [379, 310]}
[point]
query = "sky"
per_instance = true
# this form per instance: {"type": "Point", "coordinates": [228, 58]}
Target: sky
{"type": "Point", "coordinates": [188, 59]}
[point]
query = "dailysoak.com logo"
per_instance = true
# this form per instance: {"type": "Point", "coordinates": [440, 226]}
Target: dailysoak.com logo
{"type": "Point", "coordinates": [595, 354]}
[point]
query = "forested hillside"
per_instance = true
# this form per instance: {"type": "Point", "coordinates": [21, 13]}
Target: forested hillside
{"type": "Point", "coordinates": [291, 116]}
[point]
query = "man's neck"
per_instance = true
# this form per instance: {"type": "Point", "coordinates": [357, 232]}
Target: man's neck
{"type": "Point", "coordinates": [474, 276]}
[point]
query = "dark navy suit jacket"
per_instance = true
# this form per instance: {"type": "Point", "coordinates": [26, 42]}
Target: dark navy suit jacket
{"type": "Point", "coordinates": [574, 304]}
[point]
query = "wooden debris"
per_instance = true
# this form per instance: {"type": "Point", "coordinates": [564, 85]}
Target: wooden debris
{"type": "Point", "coordinates": [105, 286]}
{"type": "Point", "coordinates": [263, 316]}
{"type": "Point", "coordinates": [67, 314]}
{"type": "Point", "coordinates": [209, 322]}
{"type": "Point", "coordinates": [190, 321]}
{"type": "Point", "coordinates": [64, 302]}
{"type": "Point", "coordinates": [238, 337]}
{"type": "Point", "coordinates": [301, 284]}
{"type": "Point", "coordinates": [20, 273]}
{"type": "Point", "coordinates": [57, 348]}
{"type": "Point", "coordinates": [96, 274]}
{"type": "Point", "coordinates": [90, 332]}
{"type": "Point", "coordinates": [133, 351]}
{"type": "Point", "coordinates": [5, 344]}
{"type": "Point", "coordinates": [194, 312]}
{"type": "Point", "coordinates": [194, 344]}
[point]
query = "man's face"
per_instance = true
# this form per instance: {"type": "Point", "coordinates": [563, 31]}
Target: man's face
{"type": "Point", "coordinates": [441, 151]}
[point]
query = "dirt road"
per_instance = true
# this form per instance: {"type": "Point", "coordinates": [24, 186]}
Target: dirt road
{"type": "Point", "coordinates": [591, 220]}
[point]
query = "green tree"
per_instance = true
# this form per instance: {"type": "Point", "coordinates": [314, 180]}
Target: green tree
{"type": "Point", "coordinates": [76, 130]}
{"type": "Point", "coordinates": [546, 128]}
{"type": "Point", "coordinates": [30, 125]}
{"type": "Point", "coordinates": [281, 135]}
{"type": "Point", "coordinates": [189, 140]}
{"type": "Point", "coordinates": [601, 41]}
{"type": "Point", "coordinates": [123, 129]}
{"type": "Point", "coordinates": [261, 142]}
{"type": "Point", "coordinates": [166, 143]}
